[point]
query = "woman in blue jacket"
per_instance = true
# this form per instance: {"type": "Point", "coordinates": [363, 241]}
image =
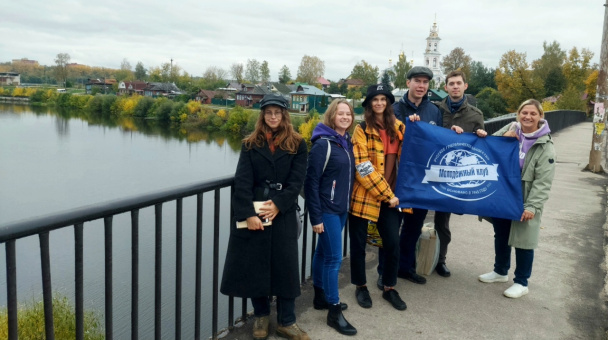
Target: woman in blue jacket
{"type": "Point", "coordinates": [328, 189]}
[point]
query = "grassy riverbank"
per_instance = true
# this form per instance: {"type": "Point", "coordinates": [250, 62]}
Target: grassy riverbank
{"type": "Point", "coordinates": [181, 111]}
{"type": "Point", "coordinates": [31, 321]}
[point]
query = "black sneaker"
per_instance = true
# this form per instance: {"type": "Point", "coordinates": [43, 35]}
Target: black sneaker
{"type": "Point", "coordinates": [363, 298]}
{"type": "Point", "coordinates": [412, 277]}
{"type": "Point", "coordinates": [392, 296]}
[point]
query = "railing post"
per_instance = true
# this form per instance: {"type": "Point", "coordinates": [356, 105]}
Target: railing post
{"type": "Point", "coordinates": [178, 269]}
{"type": "Point", "coordinates": [78, 279]}
{"type": "Point", "coordinates": [304, 243]}
{"type": "Point", "coordinates": [108, 273]}
{"type": "Point", "coordinates": [135, 274]}
{"type": "Point", "coordinates": [158, 273]}
{"type": "Point", "coordinates": [11, 290]}
{"type": "Point", "coordinates": [216, 246]}
{"type": "Point", "coordinates": [47, 291]}
{"type": "Point", "coordinates": [199, 254]}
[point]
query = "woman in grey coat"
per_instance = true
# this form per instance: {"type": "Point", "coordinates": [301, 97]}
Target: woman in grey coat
{"type": "Point", "coordinates": [537, 164]}
{"type": "Point", "coordinates": [262, 261]}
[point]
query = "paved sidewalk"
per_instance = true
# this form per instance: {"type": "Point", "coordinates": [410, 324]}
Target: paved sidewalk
{"type": "Point", "coordinates": [566, 299]}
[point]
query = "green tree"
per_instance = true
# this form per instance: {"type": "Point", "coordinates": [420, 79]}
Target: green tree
{"type": "Point", "coordinates": [480, 78]}
{"type": "Point", "coordinates": [237, 120]}
{"type": "Point", "coordinates": [549, 68]}
{"type": "Point", "coordinates": [236, 70]}
{"type": "Point", "coordinates": [265, 72]}
{"type": "Point", "coordinates": [252, 71]}
{"type": "Point", "coordinates": [515, 80]}
{"type": "Point", "coordinates": [555, 82]}
{"type": "Point", "coordinates": [284, 75]}
{"type": "Point", "coordinates": [213, 78]}
{"type": "Point", "coordinates": [343, 89]}
{"type": "Point", "coordinates": [310, 69]}
{"type": "Point", "coordinates": [125, 72]}
{"type": "Point", "coordinates": [386, 79]}
{"type": "Point", "coordinates": [491, 103]}
{"type": "Point", "coordinates": [400, 70]}
{"type": "Point", "coordinates": [333, 88]}
{"type": "Point", "coordinates": [61, 68]}
{"type": "Point", "coordinates": [140, 71]}
{"type": "Point", "coordinates": [571, 99]}
{"type": "Point", "coordinates": [577, 68]}
{"type": "Point", "coordinates": [366, 72]}
{"type": "Point", "coordinates": [457, 59]}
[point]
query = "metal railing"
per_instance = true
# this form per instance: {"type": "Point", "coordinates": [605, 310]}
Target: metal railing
{"type": "Point", "coordinates": [11, 233]}
{"type": "Point", "coordinates": [558, 120]}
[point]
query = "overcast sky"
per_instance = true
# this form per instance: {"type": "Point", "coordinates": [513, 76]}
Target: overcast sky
{"type": "Point", "coordinates": [204, 33]}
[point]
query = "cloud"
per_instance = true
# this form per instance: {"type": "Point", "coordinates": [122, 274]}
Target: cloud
{"type": "Point", "coordinates": [197, 34]}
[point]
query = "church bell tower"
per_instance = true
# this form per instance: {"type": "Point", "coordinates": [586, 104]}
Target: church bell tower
{"type": "Point", "coordinates": [432, 56]}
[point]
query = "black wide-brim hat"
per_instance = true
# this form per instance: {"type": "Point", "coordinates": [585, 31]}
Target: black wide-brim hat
{"type": "Point", "coordinates": [274, 99]}
{"type": "Point", "coordinates": [374, 90]}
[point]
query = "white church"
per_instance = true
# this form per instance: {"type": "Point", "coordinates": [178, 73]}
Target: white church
{"type": "Point", "coordinates": [431, 59]}
{"type": "Point", "coordinates": [432, 56]}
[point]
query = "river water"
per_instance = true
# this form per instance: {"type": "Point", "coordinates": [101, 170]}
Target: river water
{"type": "Point", "coordinates": [55, 161]}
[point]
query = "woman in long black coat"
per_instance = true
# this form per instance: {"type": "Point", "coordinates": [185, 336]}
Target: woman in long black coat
{"type": "Point", "coordinates": [262, 261]}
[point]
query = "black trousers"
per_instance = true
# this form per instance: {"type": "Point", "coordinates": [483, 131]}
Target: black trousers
{"type": "Point", "coordinates": [410, 232]}
{"type": "Point", "coordinates": [388, 227]}
{"type": "Point", "coordinates": [442, 225]}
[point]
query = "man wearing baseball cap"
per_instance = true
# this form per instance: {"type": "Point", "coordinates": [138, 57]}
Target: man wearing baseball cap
{"type": "Point", "coordinates": [414, 102]}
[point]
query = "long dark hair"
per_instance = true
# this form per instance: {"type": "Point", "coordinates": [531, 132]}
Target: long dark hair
{"type": "Point", "coordinates": [388, 119]}
{"type": "Point", "coordinates": [286, 139]}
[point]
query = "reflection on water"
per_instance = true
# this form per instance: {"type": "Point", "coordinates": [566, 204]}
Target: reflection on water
{"type": "Point", "coordinates": [127, 123]}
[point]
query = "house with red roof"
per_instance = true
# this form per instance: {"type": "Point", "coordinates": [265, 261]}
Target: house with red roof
{"type": "Point", "coordinates": [132, 87]}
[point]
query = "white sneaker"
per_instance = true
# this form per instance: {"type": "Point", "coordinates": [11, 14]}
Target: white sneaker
{"type": "Point", "coordinates": [493, 277]}
{"type": "Point", "coordinates": [515, 291]}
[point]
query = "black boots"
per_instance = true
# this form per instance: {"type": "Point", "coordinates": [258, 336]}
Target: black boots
{"type": "Point", "coordinates": [336, 320]}
{"type": "Point", "coordinates": [319, 302]}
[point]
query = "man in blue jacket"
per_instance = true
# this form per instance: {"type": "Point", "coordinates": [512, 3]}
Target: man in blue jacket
{"type": "Point", "coordinates": [415, 101]}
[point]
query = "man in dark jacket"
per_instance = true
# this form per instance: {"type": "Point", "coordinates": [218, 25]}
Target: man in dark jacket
{"type": "Point", "coordinates": [459, 116]}
{"type": "Point", "coordinates": [414, 102]}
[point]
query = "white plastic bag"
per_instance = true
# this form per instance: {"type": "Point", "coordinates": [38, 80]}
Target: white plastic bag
{"type": "Point", "coordinates": [427, 250]}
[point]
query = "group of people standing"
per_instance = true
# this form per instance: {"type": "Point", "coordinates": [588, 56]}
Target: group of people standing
{"type": "Point", "coordinates": [354, 178]}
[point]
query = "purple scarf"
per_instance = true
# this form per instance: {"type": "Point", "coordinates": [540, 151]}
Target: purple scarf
{"type": "Point", "coordinates": [526, 140]}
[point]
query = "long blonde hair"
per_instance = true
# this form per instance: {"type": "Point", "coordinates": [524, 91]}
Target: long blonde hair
{"type": "Point", "coordinates": [286, 139]}
{"type": "Point", "coordinates": [329, 118]}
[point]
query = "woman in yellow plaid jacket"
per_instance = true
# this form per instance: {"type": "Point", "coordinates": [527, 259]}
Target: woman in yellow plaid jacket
{"type": "Point", "coordinates": [377, 147]}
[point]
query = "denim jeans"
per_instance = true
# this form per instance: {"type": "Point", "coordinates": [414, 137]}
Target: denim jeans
{"type": "Point", "coordinates": [502, 259]}
{"type": "Point", "coordinates": [410, 232]}
{"type": "Point", "coordinates": [286, 315]}
{"type": "Point", "coordinates": [328, 256]}
{"type": "Point", "coordinates": [388, 227]}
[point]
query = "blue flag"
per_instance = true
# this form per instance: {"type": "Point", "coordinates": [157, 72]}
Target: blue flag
{"type": "Point", "coordinates": [461, 173]}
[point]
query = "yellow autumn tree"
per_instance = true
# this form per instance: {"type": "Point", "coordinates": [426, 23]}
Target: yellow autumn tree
{"type": "Point", "coordinates": [18, 92]}
{"type": "Point", "coordinates": [549, 106]}
{"type": "Point", "coordinates": [222, 114]}
{"type": "Point", "coordinates": [577, 68]}
{"type": "Point", "coordinates": [307, 128]}
{"type": "Point", "coordinates": [591, 85]}
{"type": "Point", "coordinates": [29, 91]}
{"type": "Point", "coordinates": [193, 107]}
{"type": "Point", "coordinates": [515, 80]}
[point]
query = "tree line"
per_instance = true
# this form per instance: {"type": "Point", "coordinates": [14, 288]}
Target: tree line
{"type": "Point", "coordinates": [568, 76]}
